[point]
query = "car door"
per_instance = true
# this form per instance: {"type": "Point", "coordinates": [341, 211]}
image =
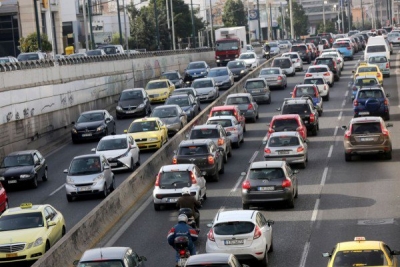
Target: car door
{"type": "Point", "coordinates": [254, 103]}
{"type": "Point", "coordinates": [133, 148]}
{"type": "Point", "coordinates": [237, 126]}
{"type": "Point", "coordinates": [146, 100]}
{"type": "Point", "coordinates": [200, 180]}
{"type": "Point", "coordinates": [38, 165]}
{"type": "Point", "coordinates": [3, 198]}
{"type": "Point", "coordinates": [106, 171]}
{"type": "Point", "coordinates": [193, 105]}
{"type": "Point", "coordinates": [163, 128]}
{"type": "Point", "coordinates": [222, 135]}
{"type": "Point", "coordinates": [264, 227]}
{"type": "Point", "coordinates": [53, 232]}
{"type": "Point", "coordinates": [292, 177]}
{"type": "Point", "coordinates": [107, 121]}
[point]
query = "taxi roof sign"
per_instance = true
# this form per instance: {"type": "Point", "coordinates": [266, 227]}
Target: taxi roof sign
{"type": "Point", "coordinates": [359, 238]}
{"type": "Point", "coordinates": [25, 205]}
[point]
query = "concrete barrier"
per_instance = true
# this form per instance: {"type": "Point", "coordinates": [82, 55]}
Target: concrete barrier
{"type": "Point", "coordinates": [93, 227]}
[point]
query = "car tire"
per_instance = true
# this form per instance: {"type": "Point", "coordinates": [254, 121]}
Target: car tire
{"type": "Point", "coordinates": [63, 231]}
{"type": "Point", "coordinates": [157, 207]}
{"type": "Point", "coordinates": [304, 164]}
{"type": "Point", "coordinates": [112, 187]}
{"type": "Point", "coordinates": [69, 198]}
{"type": "Point", "coordinates": [314, 131]}
{"type": "Point", "coordinates": [104, 194]}
{"type": "Point", "coordinates": [270, 99]}
{"type": "Point", "coordinates": [326, 98]}
{"type": "Point", "coordinates": [225, 158]}
{"type": "Point", "coordinates": [34, 182]}
{"type": "Point", "coordinates": [138, 161]}
{"type": "Point", "coordinates": [245, 206]}
{"type": "Point", "coordinates": [388, 155]}
{"type": "Point", "coordinates": [237, 144]}
{"type": "Point", "coordinates": [297, 191]}
{"type": "Point", "coordinates": [215, 177]}
{"type": "Point", "coordinates": [222, 170]}
{"type": "Point", "coordinates": [347, 157]}
{"type": "Point", "coordinates": [290, 203]}
{"type": "Point", "coordinates": [264, 261]}
{"type": "Point", "coordinates": [244, 129]}
{"type": "Point", "coordinates": [387, 117]}
{"type": "Point", "coordinates": [132, 166]}
{"type": "Point", "coordinates": [47, 246]}
{"type": "Point", "coordinates": [114, 129]}
{"type": "Point", "coordinates": [320, 112]}
{"type": "Point", "coordinates": [45, 175]}
{"type": "Point", "coordinates": [118, 117]}
{"type": "Point", "coordinates": [271, 247]}
{"type": "Point", "coordinates": [230, 151]}
{"type": "Point", "coordinates": [242, 141]}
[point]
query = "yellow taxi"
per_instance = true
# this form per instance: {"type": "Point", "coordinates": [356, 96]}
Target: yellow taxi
{"type": "Point", "coordinates": [365, 69]}
{"type": "Point", "coordinates": [159, 90]}
{"type": "Point", "coordinates": [28, 231]}
{"type": "Point", "coordinates": [149, 133]}
{"type": "Point", "coordinates": [362, 252]}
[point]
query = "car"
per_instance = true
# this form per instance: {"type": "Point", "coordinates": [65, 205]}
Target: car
{"type": "Point", "coordinates": [311, 90]}
{"type": "Point", "coordinates": [362, 251]}
{"type": "Point", "coordinates": [284, 44]}
{"type": "Point", "coordinates": [303, 51]}
{"type": "Point", "coordinates": [204, 153]}
{"type": "Point", "coordinates": [187, 103]}
{"type": "Point", "coordinates": [172, 178]}
{"type": "Point", "coordinates": [394, 38]}
{"type": "Point", "coordinates": [230, 124]}
{"type": "Point", "coordinates": [246, 103]}
{"type": "Point", "coordinates": [238, 68]}
{"type": "Point", "coordinates": [78, 55]}
{"type": "Point", "coordinates": [216, 133]}
{"type": "Point", "coordinates": [288, 122]}
{"type": "Point", "coordinates": [325, 43]}
{"type": "Point", "coordinates": [120, 150]}
{"type": "Point", "coordinates": [249, 48]}
{"type": "Point", "coordinates": [132, 102]}
{"type": "Point", "coordinates": [336, 55]}
{"type": "Point", "coordinates": [275, 50]}
{"type": "Point", "coordinates": [30, 56]}
{"type": "Point", "coordinates": [316, 40]}
{"type": "Point", "coordinates": [174, 76]}
{"type": "Point", "coordinates": [148, 132]}
{"type": "Point", "coordinates": [323, 87]}
{"type": "Point", "coordinates": [303, 106]}
{"type": "Point", "coordinates": [222, 76]}
{"type": "Point", "coordinates": [245, 233]}
{"type": "Point", "coordinates": [3, 199]}
{"type": "Point", "coordinates": [188, 90]}
{"type": "Point", "coordinates": [285, 64]}
{"type": "Point", "coordinates": [172, 116]}
{"type": "Point", "coordinates": [331, 63]}
{"type": "Point", "coordinates": [365, 69]}
{"type": "Point", "coordinates": [23, 168]}
{"type": "Point", "coordinates": [345, 48]}
{"type": "Point", "coordinates": [314, 51]}
{"type": "Point", "coordinates": [28, 232]}
{"type": "Point", "coordinates": [350, 33]}
{"type": "Point", "coordinates": [275, 77]}
{"type": "Point", "coordinates": [362, 81]}
{"type": "Point", "coordinates": [8, 59]}
{"type": "Point", "coordinates": [92, 125]}
{"type": "Point", "coordinates": [206, 89]}
{"type": "Point", "coordinates": [328, 36]}
{"type": "Point", "coordinates": [196, 70]}
{"type": "Point", "coordinates": [367, 135]}
{"type": "Point", "coordinates": [269, 181]}
{"type": "Point", "coordinates": [287, 146]}
{"type": "Point", "coordinates": [323, 71]}
{"type": "Point", "coordinates": [159, 90]}
{"type": "Point", "coordinates": [259, 89]}
{"type": "Point", "coordinates": [251, 59]}
{"type": "Point", "coordinates": [112, 256]}
{"type": "Point", "coordinates": [213, 260]}
{"type": "Point", "coordinates": [96, 52]}
{"type": "Point", "coordinates": [372, 101]}
{"type": "Point", "coordinates": [296, 60]}
{"type": "Point", "coordinates": [382, 62]}
{"type": "Point", "coordinates": [89, 175]}
{"type": "Point", "coordinates": [229, 110]}
{"type": "Point", "coordinates": [111, 49]}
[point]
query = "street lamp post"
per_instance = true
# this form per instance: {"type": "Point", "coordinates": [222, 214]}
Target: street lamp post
{"type": "Point", "coordinates": [39, 40]}
{"type": "Point", "coordinates": [291, 19]}
{"type": "Point", "coordinates": [119, 24]}
{"type": "Point", "coordinates": [259, 22]}
{"type": "Point", "coordinates": [323, 13]}
{"type": "Point", "coordinates": [193, 29]}
{"type": "Point", "coordinates": [156, 18]}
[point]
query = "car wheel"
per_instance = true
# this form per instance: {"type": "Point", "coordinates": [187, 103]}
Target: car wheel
{"type": "Point", "coordinates": [74, 141]}
{"type": "Point", "coordinates": [271, 247]}
{"type": "Point", "coordinates": [230, 151]}
{"type": "Point", "coordinates": [314, 131]}
{"type": "Point", "coordinates": [264, 261]}
{"type": "Point", "coordinates": [216, 177]}
{"type": "Point", "coordinates": [118, 117]}
{"type": "Point", "coordinates": [114, 129]}
{"type": "Point", "coordinates": [256, 116]}
{"type": "Point", "coordinates": [290, 202]}
{"type": "Point", "coordinates": [34, 182]}
{"type": "Point", "coordinates": [112, 187]}
{"type": "Point", "coordinates": [347, 157]}
{"type": "Point", "coordinates": [296, 195]}
{"type": "Point", "coordinates": [205, 196]}
{"type": "Point", "coordinates": [244, 129]}
{"type": "Point", "coordinates": [237, 144]}
{"type": "Point", "coordinates": [387, 117]}
{"type": "Point", "coordinates": [222, 170]}
{"type": "Point", "coordinates": [63, 231]}
{"type": "Point", "coordinates": [69, 198]}
{"type": "Point", "coordinates": [45, 175]}
{"type": "Point", "coordinates": [157, 207]}
{"type": "Point", "coordinates": [245, 206]}
{"type": "Point", "coordinates": [105, 191]}
{"type": "Point", "coordinates": [225, 157]}
{"type": "Point", "coordinates": [326, 98]}
{"type": "Point", "coordinates": [388, 155]}
{"type": "Point", "coordinates": [294, 73]}
{"type": "Point", "coordinates": [138, 161]}
{"type": "Point", "coordinates": [320, 112]}
{"type": "Point", "coordinates": [242, 141]}
{"type": "Point", "coordinates": [304, 164]}
{"type": "Point", "coordinates": [6, 206]}
{"type": "Point", "coordinates": [47, 246]}
{"type": "Point", "coordinates": [270, 99]}
{"type": "Point", "coordinates": [132, 166]}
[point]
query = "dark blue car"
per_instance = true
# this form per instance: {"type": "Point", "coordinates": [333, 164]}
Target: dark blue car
{"type": "Point", "coordinates": [371, 101]}
{"type": "Point", "coordinates": [309, 90]}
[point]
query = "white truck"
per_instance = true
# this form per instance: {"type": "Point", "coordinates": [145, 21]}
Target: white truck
{"type": "Point", "coordinates": [229, 43]}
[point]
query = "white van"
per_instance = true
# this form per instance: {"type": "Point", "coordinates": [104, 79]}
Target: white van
{"type": "Point", "coordinates": [376, 45]}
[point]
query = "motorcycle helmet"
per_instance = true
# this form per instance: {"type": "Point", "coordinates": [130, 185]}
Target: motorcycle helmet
{"type": "Point", "coordinates": [186, 191]}
{"type": "Point", "coordinates": [182, 218]}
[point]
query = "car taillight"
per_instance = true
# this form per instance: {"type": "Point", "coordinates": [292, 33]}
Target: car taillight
{"type": "Point", "coordinates": [347, 135]}
{"type": "Point", "coordinates": [279, 78]}
{"type": "Point", "coordinates": [300, 149]}
{"type": "Point", "coordinates": [387, 65]}
{"type": "Point", "coordinates": [327, 74]}
{"type": "Point", "coordinates": [308, 75]}
{"type": "Point", "coordinates": [210, 160]}
{"type": "Point", "coordinates": [385, 132]}
{"type": "Point", "coordinates": [378, 75]}
{"type": "Point", "coordinates": [246, 184]}
{"type": "Point", "coordinates": [312, 117]}
{"type": "Point", "coordinates": [386, 102]}
{"type": "Point", "coordinates": [297, 60]}
{"type": "Point", "coordinates": [355, 88]}
{"type": "Point", "coordinates": [182, 252]}
{"type": "Point", "coordinates": [210, 235]}
{"type": "Point", "coordinates": [339, 61]}
{"type": "Point", "coordinates": [334, 64]}
{"type": "Point", "coordinates": [331, 40]}
{"type": "Point", "coordinates": [220, 141]}
{"type": "Point", "coordinates": [355, 103]}
{"type": "Point", "coordinates": [267, 151]}
{"type": "Point", "coordinates": [174, 161]}
{"type": "Point", "coordinates": [192, 178]}
{"type": "Point", "coordinates": [250, 106]}
{"type": "Point", "coordinates": [286, 183]}
{"type": "Point", "coordinates": [157, 183]}
{"type": "Point", "coordinates": [257, 232]}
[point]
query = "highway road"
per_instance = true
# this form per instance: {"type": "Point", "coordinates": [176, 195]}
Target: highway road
{"type": "Point", "coordinates": [337, 200]}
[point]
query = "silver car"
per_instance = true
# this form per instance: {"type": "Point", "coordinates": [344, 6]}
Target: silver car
{"type": "Point", "coordinates": [89, 175]}
{"type": "Point", "coordinates": [287, 146]}
{"type": "Point", "coordinates": [223, 77]}
{"type": "Point", "coordinates": [259, 89]}
{"type": "Point", "coordinates": [206, 89]}
{"type": "Point", "coordinates": [274, 76]}
{"type": "Point", "coordinates": [230, 124]}
{"type": "Point", "coordinates": [394, 38]}
{"type": "Point", "coordinates": [172, 116]}
{"type": "Point", "coordinates": [296, 60]}
{"type": "Point", "coordinates": [248, 107]}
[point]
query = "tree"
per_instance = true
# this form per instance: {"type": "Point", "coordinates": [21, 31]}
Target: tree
{"type": "Point", "coordinates": [115, 39]}
{"type": "Point", "coordinates": [234, 14]}
{"type": "Point", "coordinates": [30, 43]}
{"type": "Point", "coordinates": [300, 20]}
{"type": "Point", "coordinates": [329, 27]}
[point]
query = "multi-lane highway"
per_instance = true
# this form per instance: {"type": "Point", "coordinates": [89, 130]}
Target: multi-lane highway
{"type": "Point", "coordinates": [337, 200]}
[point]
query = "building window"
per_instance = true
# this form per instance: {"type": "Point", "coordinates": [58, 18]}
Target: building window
{"type": "Point", "coordinates": [43, 23]}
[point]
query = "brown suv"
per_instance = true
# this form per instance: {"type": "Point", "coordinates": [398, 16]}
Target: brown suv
{"type": "Point", "coordinates": [367, 135]}
{"type": "Point", "coordinates": [303, 51]}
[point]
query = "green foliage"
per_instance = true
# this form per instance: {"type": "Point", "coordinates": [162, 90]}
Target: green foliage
{"type": "Point", "coordinates": [115, 39]}
{"type": "Point", "coordinates": [234, 14]}
{"type": "Point", "coordinates": [329, 27]}
{"type": "Point", "coordinates": [300, 20]}
{"type": "Point", "coordinates": [30, 43]}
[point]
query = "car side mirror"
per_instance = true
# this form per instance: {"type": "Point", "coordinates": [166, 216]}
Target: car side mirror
{"type": "Point", "coordinates": [395, 252]}
{"type": "Point", "coordinates": [389, 124]}
{"type": "Point", "coordinates": [107, 120]}
{"type": "Point", "coordinates": [187, 136]}
{"type": "Point", "coordinates": [125, 131]}
{"type": "Point", "coordinates": [243, 173]}
{"type": "Point", "coordinates": [65, 171]}
{"type": "Point", "coordinates": [270, 222]}
{"type": "Point", "coordinates": [353, 71]}
{"type": "Point", "coordinates": [278, 109]}
{"type": "Point", "coordinates": [228, 134]}
{"type": "Point", "coordinates": [93, 150]}
{"type": "Point", "coordinates": [387, 95]}
{"type": "Point", "coordinates": [73, 123]}
{"type": "Point", "coordinates": [175, 152]}
{"type": "Point", "coordinates": [344, 127]}
{"type": "Point", "coordinates": [209, 225]}
{"type": "Point", "coordinates": [51, 223]}
{"type": "Point", "coordinates": [75, 262]}
{"type": "Point", "coordinates": [142, 258]}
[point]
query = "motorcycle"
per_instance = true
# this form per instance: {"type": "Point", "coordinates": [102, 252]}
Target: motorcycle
{"type": "Point", "coordinates": [191, 220]}
{"type": "Point", "coordinates": [188, 84]}
{"type": "Point", "coordinates": [181, 245]}
{"type": "Point", "coordinates": [267, 55]}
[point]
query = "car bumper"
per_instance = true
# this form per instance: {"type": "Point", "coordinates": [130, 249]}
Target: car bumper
{"type": "Point", "coordinates": [207, 97]}
{"type": "Point", "coordinates": [12, 182]}
{"type": "Point", "coordinates": [173, 128]}
{"type": "Point", "coordinates": [30, 254]}
{"type": "Point", "coordinates": [368, 150]}
{"type": "Point", "coordinates": [131, 113]}
{"type": "Point", "coordinates": [360, 113]}
{"type": "Point", "coordinates": [121, 164]}
{"type": "Point", "coordinates": [224, 85]}
{"type": "Point", "coordinates": [260, 197]}
{"type": "Point", "coordinates": [170, 198]}
{"type": "Point", "coordinates": [290, 159]}
{"type": "Point", "coordinates": [87, 136]}
{"type": "Point", "coordinates": [254, 252]}
{"type": "Point", "coordinates": [261, 98]}
{"type": "Point", "coordinates": [77, 191]}
{"type": "Point", "coordinates": [234, 137]}
{"type": "Point", "coordinates": [158, 98]}
{"type": "Point", "coordinates": [210, 171]}
{"type": "Point", "coordinates": [149, 145]}
{"type": "Point", "coordinates": [275, 83]}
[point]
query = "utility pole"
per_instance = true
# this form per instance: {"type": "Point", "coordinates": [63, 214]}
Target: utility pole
{"type": "Point", "coordinates": [341, 11]}
{"type": "Point", "coordinates": [85, 25]}
{"type": "Point", "coordinates": [291, 19]}
{"type": "Point", "coordinates": [193, 30]}
{"type": "Point", "coordinates": [90, 25]}
{"type": "Point", "coordinates": [260, 37]}
{"type": "Point", "coordinates": [272, 35]}
{"type": "Point", "coordinates": [158, 31]}
{"type": "Point", "coordinates": [362, 14]}
{"type": "Point", "coordinates": [323, 13]}
{"type": "Point", "coordinates": [39, 40]}
{"type": "Point", "coordinates": [348, 3]}
{"type": "Point", "coordinates": [119, 23]}
{"type": "Point", "coordinates": [212, 25]}
{"type": "Point", "coordinates": [172, 25]}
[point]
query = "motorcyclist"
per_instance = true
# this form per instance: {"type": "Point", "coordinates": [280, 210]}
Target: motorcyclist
{"type": "Point", "coordinates": [189, 201]}
{"type": "Point", "coordinates": [182, 229]}
{"type": "Point", "coordinates": [267, 50]}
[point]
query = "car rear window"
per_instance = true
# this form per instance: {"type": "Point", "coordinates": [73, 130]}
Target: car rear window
{"type": "Point", "coordinates": [301, 48]}
{"type": "Point", "coordinates": [193, 150]}
{"type": "Point", "coordinates": [204, 134]}
{"type": "Point", "coordinates": [223, 123]}
{"type": "Point", "coordinates": [367, 69]}
{"type": "Point", "coordinates": [370, 94]}
{"type": "Point", "coordinates": [267, 174]}
{"type": "Point", "coordinates": [317, 69]}
{"type": "Point", "coordinates": [369, 257]}
{"type": "Point", "coordinates": [325, 61]}
{"type": "Point", "coordinates": [222, 113]}
{"type": "Point", "coordinates": [338, 45]}
{"type": "Point", "coordinates": [283, 63]}
{"type": "Point", "coordinates": [314, 40]}
{"type": "Point", "coordinates": [233, 228]}
{"type": "Point", "coordinates": [309, 90]}
{"type": "Point", "coordinates": [269, 71]}
{"type": "Point", "coordinates": [278, 141]}
{"type": "Point", "coordinates": [254, 85]}
{"type": "Point", "coordinates": [379, 59]}
{"type": "Point", "coordinates": [175, 178]}
{"type": "Point", "coordinates": [285, 124]}
{"type": "Point", "coordinates": [314, 81]}
{"type": "Point", "coordinates": [366, 82]}
{"type": "Point", "coordinates": [376, 48]}
{"type": "Point", "coordinates": [366, 127]}
{"type": "Point", "coordinates": [237, 100]}
{"type": "Point", "coordinates": [296, 109]}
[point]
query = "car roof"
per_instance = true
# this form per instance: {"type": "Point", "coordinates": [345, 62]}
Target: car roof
{"type": "Point", "coordinates": [285, 116]}
{"type": "Point", "coordinates": [239, 94]}
{"type": "Point", "coordinates": [179, 96]}
{"type": "Point", "coordinates": [177, 167]}
{"type": "Point", "coordinates": [201, 61]}
{"type": "Point", "coordinates": [206, 126]}
{"type": "Point", "coordinates": [204, 79]}
{"type": "Point", "coordinates": [104, 253]}
{"type": "Point", "coordinates": [297, 100]}
{"type": "Point", "coordinates": [366, 88]}
{"type": "Point", "coordinates": [267, 164]}
{"type": "Point", "coordinates": [195, 142]}
{"type": "Point", "coordinates": [272, 67]}
{"type": "Point", "coordinates": [318, 66]}
{"type": "Point", "coordinates": [158, 80]}
{"type": "Point", "coordinates": [166, 106]}
{"type": "Point", "coordinates": [208, 259]}
{"type": "Point", "coordinates": [255, 79]}
{"type": "Point", "coordinates": [366, 77]}
{"type": "Point", "coordinates": [227, 107]}
{"type": "Point", "coordinates": [306, 85]}
{"type": "Point", "coordinates": [170, 71]}
{"type": "Point", "coordinates": [22, 152]}
{"type": "Point", "coordinates": [117, 136]}
{"type": "Point", "coordinates": [132, 89]}
{"type": "Point", "coordinates": [146, 119]}
{"type": "Point", "coordinates": [366, 119]}
{"type": "Point", "coordinates": [235, 215]}
{"type": "Point", "coordinates": [285, 58]}
{"type": "Point", "coordinates": [219, 68]}
{"type": "Point", "coordinates": [24, 208]}
{"type": "Point", "coordinates": [93, 111]}
{"type": "Point", "coordinates": [358, 245]}
{"type": "Point", "coordinates": [288, 133]}
{"type": "Point", "coordinates": [87, 156]}
{"type": "Point", "coordinates": [224, 117]}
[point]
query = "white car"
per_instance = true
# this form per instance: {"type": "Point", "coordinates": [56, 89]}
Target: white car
{"type": "Point", "coordinates": [120, 150]}
{"type": "Point", "coordinates": [249, 48]}
{"type": "Point", "coordinates": [172, 178]}
{"type": "Point", "coordinates": [296, 60]}
{"type": "Point", "coordinates": [232, 125]}
{"type": "Point", "coordinates": [336, 55]}
{"type": "Point", "coordinates": [323, 86]}
{"type": "Point", "coordinates": [251, 59]}
{"type": "Point", "coordinates": [323, 71]}
{"type": "Point", "coordinates": [245, 233]}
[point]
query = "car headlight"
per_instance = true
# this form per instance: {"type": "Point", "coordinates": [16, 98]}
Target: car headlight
{"type": "Point", "coordinates": [74, 131]}
{"type": "Point", "coordinates": [217, 56]}
{"type": "Point", "coordinates": [242, 71]}
{"type": "Point", "coordinates": [38, 242]}
{"type": "Point", "coordinates": [25, 176]}
{"type": "Point", "coordinates": [141, 105]}
{"type": "Point", "coordinates": [100, 128]}
{"type": "Point", "coordinates": [211, 93]}
{"type": "Point", "coordinates": [203, 72]}
{"type": "Point", "coordinates": [118, 108]}
{"type": "Point", "coordinates": [70, 181]}
{"type": "Point", "coordinates": [153, 139]}
{"type": "Point", "coordinates": [165, 93]}
{"type": "Point", "coordinates": [2, 178]}
{"type": "Point", "coordinates": [98, 178]}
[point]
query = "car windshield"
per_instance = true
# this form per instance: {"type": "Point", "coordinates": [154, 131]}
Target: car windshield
{"type": "Point", "coordinates": [102, 263]}
{"type": "Point", "coordinates": [204, 134]}
{"type": "Point", "coordinates": [4, 60]}
{"type": "Point", "coordinates": [25, 57]}
{"type": "Point", "coordinates": [224, 46]}
{"type": "Point", "coordinates": [288, 125]}
{"type": "Point", "coordinates": [237, 100]}
{"type": "Point", "coordinates": [301, 91]}
{"type": "Point", "coordinates": [192, 150]}
{"type": "Point", "coordinates": [156, 85]}
{"type": "Point", "coordinates": [233, 228]}
{"type": "Point", "coordinates": [247, 56]}
{"type": "Point", "coordinates": [171, 76]}
{"type": "Point", "coordinates": [222, 122]}
{"type": "Point", "coordinates": [283, 63]}
{"type": "Point", "coordinates": [127, 95]}
{"type": "Point", "coordinates": [366, 82]}
{"type": "Point", "coordinates": [273, 45]}
{"type": "Point", "coordinates": [183, 91]}
{"type": "Point", "coordinates": [291, 55]}
{"type": "Point", "coordinates": [269, 71]}
{"type": "Point", "coordinates": [266, 174]}
{"type": "Point", "coordinates": [93, 53]}
{"type": "Point", "coordinates": [180, 101]}
{"type": "Point", "coordinates": [301, 48]}
{"type": "Point", "coordinates": [366, 128]}
{"type": "Point", "coordinates": [196, 65]}
{"type": "Point", "coordinates": [370, 257]}
{"type": "Point", "coordinates": [222, 113]}
{"type": "Point", "coordinates": [376, 48]}
{"type": "Point", "coordinates": [278, 141]}
{"type": "Point", "coordinates": [21, 221]}
{"type": "Point", "coordinates": [314, 81]}
{"type": "Point", "coordinates": [317, 69]}
{"type": "Point", "coordinates": [143, 126]}
{"type": "Point", "coordinates": [177, 178]}
{"type": "Point", "coordinates": [235, 64]}
{"type": "Point", "coordinates": [300, 109]}
{"type": "Point", "coordinates": [370, 94]}
{"type": "Point", "coordinates": [84, 166]}
{"type": "Point", "coordinates": [164, 112]}
{"type": "Point", "coordinates": [324, 61]}
{"type": "Point", "coordinates": [254, 85]}
{"type": "Point", "coordinates": [202, 84]}
{"type": "Point", "coordinates": [112, 144]}
{"type": "Point", "coordinates": [217, 73]}
{"type": "Point", "coordinates": [90, 117]}
{"type": "Point", "coordinates": [109, 50]}
{"type": "Point", "coordinates": [17, 160]}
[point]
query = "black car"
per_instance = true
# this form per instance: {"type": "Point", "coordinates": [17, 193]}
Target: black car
{"type": "Point", "coordinates": [204, 153]}
{"type": "Point", "coordinates": [238, 68]}
{"type": "Point", "coordinates": [93, 125]}
{"type": "Point", "coordinates": [195, 70]}
{"type": "Point", "coordinates": [187, 103]}
{"type": "Point", "coordinates": [303, 51]}
{"type": "Point", "coordinates": [190, 91]}
{"type": "Point", "coordinates": [133, 103]}
{"type": "Point", "coordinates": [23, 167]}
{"type": "Point", "coordinates": [331, 63]}
{"type": "Point", "coordinates": [174, 76]}
{"type": "Point", "coordinates": [304, 107]}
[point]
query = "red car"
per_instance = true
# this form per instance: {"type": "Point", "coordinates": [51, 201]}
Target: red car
{"type": "Point", "coordinates": [287, 122]}
{"type": "Point", "coordinates": [229, 110]}
{"type": "Point", "coordinates": [3, 199]}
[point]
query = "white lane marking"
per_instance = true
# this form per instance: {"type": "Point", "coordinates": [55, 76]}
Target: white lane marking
{"type": "Point", "coordinates": [58, 189]}
{"type": "Point", "coordinates": [253, 157]}
{"type": "Point", "coordinates": [344, 102]}
{"type": "Point", "coordinates": [346, 94]}
{"type": "Point", "coordinates": [330, 151]}
{"type": "Point", "coordinates": [340, 115]}
{"type": "Point", "coordinates": [324, 174]}
{"type": "Point", "coordinates": [128, 223]}
{"type": "Point", "coordinates": [335, 132]}
{"type": "Point", "coordinates": [266, 137]}
{"type": "Point", "coordinates": [304, 255]}
{"type": "Point", "coordinates": [237, 183]}
{"type": "Point", "coordinates": [315, 211]}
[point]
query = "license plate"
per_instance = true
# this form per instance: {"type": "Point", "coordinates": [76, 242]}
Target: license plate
{"type": "Point", "coordinates": [305, 121]}
{"type": "Point", "coordinates": [12, 181]}
{"type": "Point", "coordinates": [265, 188]}
{"type": "Point", "coordinates": [256, 91]}
{"type": "Point", "coordinates": [131, 111]}
{"type": "Point", "coordinates": [283, 152]}
{"type": "Point", "coordinates": [84, 188]}
{"type": "Point", "coordinates": [363, 113]}
{"type": "Point", "coordinates": [367, 139]}
{"type": "Point", "coordinates": [234, 242]}
{"type": "Point", "coordinates": [86, 135]}
{"type": "Point", "coordinates": [11, 255]}
{"type": "Point", "coordinates": [113, 164]}
{"type": "Point", "coordinates": [172, 199]}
